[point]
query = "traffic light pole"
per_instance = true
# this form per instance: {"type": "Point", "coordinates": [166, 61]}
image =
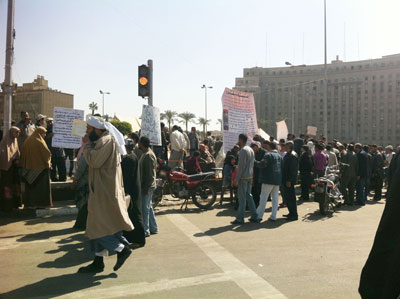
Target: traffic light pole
{"type": "Point", "coordinates": [8, 67]}
{"type": "Point", "coordinates": [150, 65]}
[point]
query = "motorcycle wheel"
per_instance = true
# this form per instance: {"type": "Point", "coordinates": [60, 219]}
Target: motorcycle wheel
{"type": "Point", "coordinates": [324, 205]}
{"type": "Point", "coordinates": [157, 197]}
{"type": "Point", "coordinates": [205, 196]}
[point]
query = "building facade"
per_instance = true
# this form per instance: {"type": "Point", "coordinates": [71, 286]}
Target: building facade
{"type": "Point", "coordinates": [363, 98]}
{"type": "Point", "coordinates": [36, 98]}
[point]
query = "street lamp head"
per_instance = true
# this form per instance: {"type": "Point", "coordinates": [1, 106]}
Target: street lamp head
{"type": "Point", "coordinates": [288, 63]}
{"type": "Point", "coordinates": [101, 92]}
{"type": "Point", "coordinates": [204, 86]}
{"type": "Point", "coordinates": [210, 87]}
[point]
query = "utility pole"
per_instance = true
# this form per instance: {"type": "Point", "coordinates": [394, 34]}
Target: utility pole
{"type": "Point", "coordinates": [150, 65]}
{"type": "Point", "coordinates": [325, 81]}
{"type": "Point", "coordinates": [8, 67]}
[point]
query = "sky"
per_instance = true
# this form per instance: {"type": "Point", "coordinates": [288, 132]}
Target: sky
{"type": "Point", "coordinates": [82, 46]}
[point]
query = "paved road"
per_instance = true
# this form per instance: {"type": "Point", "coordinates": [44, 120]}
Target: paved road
{"type": "Point", "coordinates": [197, 254]}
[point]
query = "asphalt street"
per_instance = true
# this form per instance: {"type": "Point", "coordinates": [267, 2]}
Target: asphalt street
{"type": "Point", "coordinates": [197, 254]}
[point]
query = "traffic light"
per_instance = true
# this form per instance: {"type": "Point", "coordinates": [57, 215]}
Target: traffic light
{"type": "Point", "coordinates": [144, 81]}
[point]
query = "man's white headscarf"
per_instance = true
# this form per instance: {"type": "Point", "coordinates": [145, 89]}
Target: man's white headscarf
{"type": "Point", "coordinates": [119, 138]}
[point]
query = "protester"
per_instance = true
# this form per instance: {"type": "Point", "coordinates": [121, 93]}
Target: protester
{"type": "Point", "coordinates": [35, 163]}
{"type": "Point", "coordinates": [289, 179]}
{"type": "Point", "coordinates": [58, 171]}
{"type": "Point", "coordinates": [40, 120]}
{"type": "Point", "coordinates": [207, 161]}
{"type": "Point", "coordinates": [320, 160]}
{"type": "Point", "coordinates": [259, 153]}
{"type": "Point", "coordinates": [187, 143]}
{"type": "Point", "coordinates": [178, 146]}
{"type": "Point", "coordinates": [167, 142]}
{"type": "Point", "coordinates": [369, 170]}
{"type": "Point", "coordinates": [192, 164]}
{"type": "Point", "coordinates": [210, 142]}
{"type": "Point", "coordinates": [107, 213]}
{"type": "Point", "coordinates": [377, 173]}
{"type": "Point", "coordinates": [298, 143]}
{"type": "Point", "coordinates": [362, 174]}
{"type": "Point", "coordinates": [349, 174]}
{"type": "Point", "coordinates": [193, 140]}
{"type": "Point", "coordinates": [243, 181]}
{"type": "Point", "coordinates": [159, 149]}
{"type": "Point", "coordinates": [81, 186]}
{"type": "Point", "coordinates": [332, 158]}
{"type": "Point", "coordinates": [130, 175]}
{"type": "Point", "coordinates": [147, 169]}
{"type": "Point", "coordinates": [305, 168]}
{"type": "Point", "coordinates": [233, 152]}
{"type": "Point", "coordinates": [69, 153]}
{"type": "Point", "coordinates": [227, 171]}
{"type": "Point", "coordinates": [270, 177]}
{"type": "Point", "coordinates": [10, 196]}
{"type": "Point", "coordinates": [26, 127]}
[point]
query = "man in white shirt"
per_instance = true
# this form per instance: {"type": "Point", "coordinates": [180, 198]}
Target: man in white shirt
{"type": "Point", "coordinates": [178, 145]}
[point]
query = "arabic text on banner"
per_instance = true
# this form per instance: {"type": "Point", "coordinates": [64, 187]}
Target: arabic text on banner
{"type": "Point", "coordinates": [151, 124]}
{"type": "Point", "coordinates": [239, 116]}
{"type": "Point", "coordinates": [63, 121]}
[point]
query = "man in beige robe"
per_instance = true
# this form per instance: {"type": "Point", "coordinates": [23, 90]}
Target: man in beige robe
{"type": "Point", "coordinates": [107, 208]}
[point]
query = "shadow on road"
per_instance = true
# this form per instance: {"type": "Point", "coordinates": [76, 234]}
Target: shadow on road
{"type": "Point", "coordinates": [58, 219]}
{"type": "Point", "coordinates": [57, 286]}
{"type": "Point", "coordinates": [47, 234]}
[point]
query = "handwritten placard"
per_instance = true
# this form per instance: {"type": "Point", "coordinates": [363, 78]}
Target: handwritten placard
{"type": "Point", "coordinates": [151, 124]}
{"type": "Point", "coordinates": [63, 122]}
{"type": "Point", "coordinates": [79, 128]}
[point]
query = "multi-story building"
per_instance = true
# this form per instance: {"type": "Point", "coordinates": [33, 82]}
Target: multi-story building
{"type": "Point", "coordinates": [363, 98]}
{"type": "Point", "coordinates": [36, 98]}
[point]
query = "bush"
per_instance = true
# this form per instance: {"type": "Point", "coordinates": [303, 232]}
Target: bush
{"type": "Point", "coordinates": [124, 127]}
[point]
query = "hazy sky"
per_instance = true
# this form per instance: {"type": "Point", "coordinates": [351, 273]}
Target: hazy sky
{"type": "Point", "coordinates": [81, 46]}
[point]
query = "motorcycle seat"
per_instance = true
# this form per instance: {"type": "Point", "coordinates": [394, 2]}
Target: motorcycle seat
{"type": "Point", "coordinates": [200, 176]}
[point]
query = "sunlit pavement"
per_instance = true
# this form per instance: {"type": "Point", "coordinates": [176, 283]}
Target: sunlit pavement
{"type": "Point", "coordinates": [197, 254]}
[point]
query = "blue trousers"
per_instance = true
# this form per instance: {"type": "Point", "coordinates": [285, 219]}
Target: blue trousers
{"type": "Point", "coordinates": [244, 193]}
{"type": "Point", "coordinates": [361, 194]}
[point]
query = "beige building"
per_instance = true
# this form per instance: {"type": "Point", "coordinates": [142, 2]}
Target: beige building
{"type": "Point", "coordinates": [363, 98]}
{"type": "Point", "coordinates": [36, 98]}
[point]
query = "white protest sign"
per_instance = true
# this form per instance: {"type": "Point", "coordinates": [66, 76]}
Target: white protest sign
{"type": "Point", "coordinates": [312, 131]}
{"type": "Point", "coordinates": [281, 130]}
{"type": "Point", "coordinates": [62, 129]}
{"type": "Point", "coordinates": [151, 124]}
{"type": "Point", "coordinates": [239, 116]}
{"type": "Point", "coordinates": [79, 128]}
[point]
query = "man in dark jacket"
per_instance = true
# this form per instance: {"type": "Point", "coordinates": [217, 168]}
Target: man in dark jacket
{"type": "Point", "coordinates": [362, 174]}
{"type": "Point", "coordinates": [349, 174]}
{"type": "Point", "coordinates": [368, 180]}
{"type": "Point", "coordinates": [298, 143]}
{"type": "Point", "coordinates": [377, 172]}
{"type": "Point", "coordinates": [380, 277]}
{"type": "Point", "coordinates": [270, 176]}
{"type": "Point", "coordinates": [129, 165]}
{"type": "Point", "coordinates": [289, 179]}
{"type": "Point", "coordinates": [305, 168]}
{"type": "Point", "coordinates": [57, 156]}
{"type": "Point", "coordinates": [259, 153]}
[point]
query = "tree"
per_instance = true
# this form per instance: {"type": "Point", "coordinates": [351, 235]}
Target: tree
{"type": "Point", "coordinates": [187, 117]}
{"type": "Point", "coordinates": [93, 106]}
{"type": "Point", "coordinates": [124, 127]}
{"type": "Point", "coordinates": [219, 121]}
{"type": "Point", "coordinates": [169, 116]}
{"type": "Point", "coordinates": [204, 122]}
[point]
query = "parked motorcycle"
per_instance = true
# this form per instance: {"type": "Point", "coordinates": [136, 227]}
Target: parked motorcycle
{"type": "Point", "coordinates": [198, 187]}
{"type": "Point", "coordinates": [327, 189]}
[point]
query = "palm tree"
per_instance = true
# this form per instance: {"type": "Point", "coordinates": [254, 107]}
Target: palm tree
{"type": "Point", "coordinates": [169, 116]}
{"type": "Point", "coordinates": [187, 117]}
{"type": "Point", "coordinates": [93, 106]}
{"type": "Point", "coordinates": [204, 122]}
{"type": "Point", "coordinates": [219, 121]}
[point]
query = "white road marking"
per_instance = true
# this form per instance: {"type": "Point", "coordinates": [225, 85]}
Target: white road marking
{"type": "Point", "coordinates": [141, 288]}
{"type": "Point", "coordinates": [247, 279]}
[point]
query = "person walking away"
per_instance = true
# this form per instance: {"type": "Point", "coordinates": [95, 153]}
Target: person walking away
{"type": "Point", "coordinates": [193, 140]}
{"type": "Point", "coordinates": [289, 179]}
{"type": "Point", "coordinates": [270, 177]}
{"type": "Point", "coordinates": [10, 196]}
{"type": "Point", "coordinates": [320, 160]}
{"type": "Point", "coordinates": [36, 164]}
{"type": "Point", "coordinates": [107, 213]}
{"type": "Point", "coordinates": [130, 175]}
{"type": "Point", "coordinates": [305, 168]}
{"type": "Point", "coordinates": [259, 153]}
{"type": "Point", "coordinates": [81, 186]}
{"type": "Point", "coordinates": [27, 128]}
{"type": "Point", "coordinates": [349, 174]}
{"type": "Point", "coordinates": [243, 181]}
{"type": "Point", "coordinates": [227, 171]}
{"type": "Point", "coordinates": [380, 276]}
{"type": "Point", "coordinates": [147, 169]}
{"type": "Point", "coordinates": [178, 145]}
{"type": "Point", "coordinates": [57, 156]}
{"type": "Point", "coordinates": [362, 174]}
{"type": "Point", "coordinates": [377, 172]}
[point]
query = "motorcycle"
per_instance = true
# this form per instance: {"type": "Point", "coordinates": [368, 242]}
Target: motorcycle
{"type": "Point", "coordinates": [198, 187]}
{"type": "Point", "coordinates": [326, 189]}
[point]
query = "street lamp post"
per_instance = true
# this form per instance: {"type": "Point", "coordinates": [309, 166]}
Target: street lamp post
{"type": "Point", "coordinates": [325, 80]}
{"type": "Point", "coordinates": [103, 93]}
{"type": "Point", "coordinates": [205, 100]}
{"type": "Point", "coordinates": [291, 102]}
